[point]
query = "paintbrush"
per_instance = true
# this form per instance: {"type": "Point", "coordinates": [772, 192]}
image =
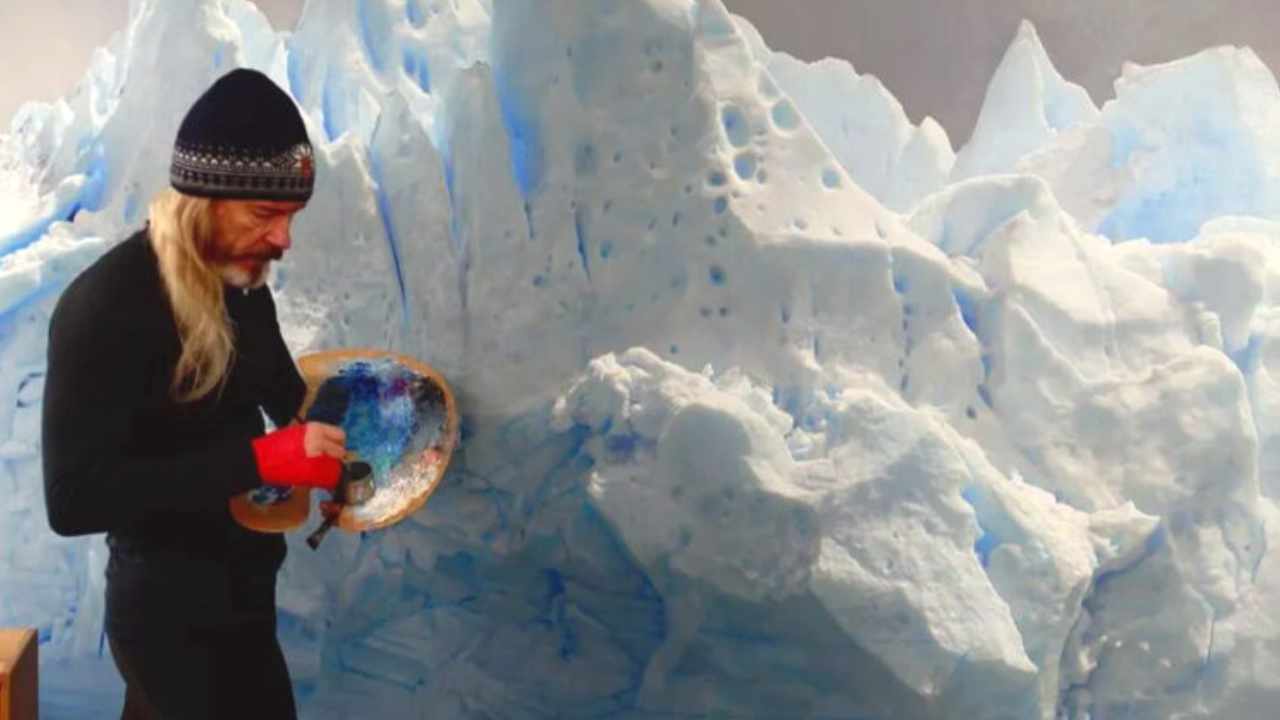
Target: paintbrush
{"type": "Point", "coordinates": [355, 487]}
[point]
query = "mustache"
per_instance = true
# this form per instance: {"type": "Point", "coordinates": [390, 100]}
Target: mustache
{"type": "Point", "coordinates": [274, 254]}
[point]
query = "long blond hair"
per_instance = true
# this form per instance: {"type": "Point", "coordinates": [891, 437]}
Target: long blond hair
{"type": "Point", "coordinates": [181, 231]}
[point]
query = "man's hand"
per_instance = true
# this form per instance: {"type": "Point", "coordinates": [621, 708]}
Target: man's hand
{"type": "Point", "coordinates": [308, 455]}
{"type": "Point", "coordinates": [324, 439]}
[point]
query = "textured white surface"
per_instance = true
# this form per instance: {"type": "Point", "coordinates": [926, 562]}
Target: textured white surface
{"type": "Point", "coordinates": [759, 419]}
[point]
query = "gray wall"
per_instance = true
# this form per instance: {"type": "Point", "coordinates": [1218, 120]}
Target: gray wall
{"type": "Point", "coordinates": [936, 56]}
{"type": "Point", "coordinates": [46, 44]}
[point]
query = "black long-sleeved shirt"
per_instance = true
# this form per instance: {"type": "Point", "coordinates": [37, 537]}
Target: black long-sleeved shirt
{"type": "Point", "coordinates": [121, 457]}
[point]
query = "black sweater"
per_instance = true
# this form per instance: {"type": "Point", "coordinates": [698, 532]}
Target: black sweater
{"type": "Point", "coordinates": [121, 457]}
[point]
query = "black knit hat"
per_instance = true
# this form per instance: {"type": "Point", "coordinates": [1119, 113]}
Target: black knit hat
{"type": "Point", "coordinates": [243, 138]}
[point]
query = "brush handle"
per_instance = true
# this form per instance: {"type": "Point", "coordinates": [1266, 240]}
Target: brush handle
{"type": "Point", "coordinates": [313, 540]}
{"type": "Point", "coordinates": [355, 471]}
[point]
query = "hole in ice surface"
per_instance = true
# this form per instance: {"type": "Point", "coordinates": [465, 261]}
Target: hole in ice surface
{"type": "Point", "coordinates": [985, 394]}
{"type": "Point", "coordinates": [717, 275]}
{"type": "Point", "coordinates": [721, 204]}
{"type": "Point", "coordinates": [717, 179]}
{"type": "Point", "coordinates": [413, 13]}
{"type": "Point", "coordinates": [830, 178]}
{"type": "Point", "coordinates": [539, 281]}
{"type": "Point", "coordinates": [785, 116]}
{"type": "Point", "coordinates": [745, 165]}
{"type": "Point", "coordinates": [735, 126]}
{"type": "Point", "coordinates": [724, 312]}
{"type": "Point", "coordinates": [584, 159]}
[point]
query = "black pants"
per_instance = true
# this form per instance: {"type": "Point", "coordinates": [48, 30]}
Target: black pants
{"type": "Point", "coordinates": [235, 671]}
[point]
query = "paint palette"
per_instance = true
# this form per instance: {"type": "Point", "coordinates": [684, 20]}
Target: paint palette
{"type": "Point", "coordinates": [399, 417]}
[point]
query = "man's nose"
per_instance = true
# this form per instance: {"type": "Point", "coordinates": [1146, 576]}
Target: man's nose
{"type": "Point", "coordinates": [278, 236]}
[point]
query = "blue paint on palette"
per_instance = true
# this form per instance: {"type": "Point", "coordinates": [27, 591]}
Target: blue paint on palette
{"type": "Point", "coordinates": [270, 494]}
{"type": "Point", "coordinates": [386, 410]}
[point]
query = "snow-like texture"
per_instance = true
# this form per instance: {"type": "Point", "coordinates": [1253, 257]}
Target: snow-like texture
{"type": "Point", "coordinates": [1028, 103]}
{"type": "Point", "coordinates": [860, 121]}
{"type": "Point", "coordinates": [774, 404]}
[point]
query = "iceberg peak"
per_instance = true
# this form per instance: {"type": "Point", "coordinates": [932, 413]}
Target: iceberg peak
{"type": "Point", "coordinates": [1027, 104]}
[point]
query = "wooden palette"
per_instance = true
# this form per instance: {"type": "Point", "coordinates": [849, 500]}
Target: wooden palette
{"type": "Point", "coordinates": [399, 416]}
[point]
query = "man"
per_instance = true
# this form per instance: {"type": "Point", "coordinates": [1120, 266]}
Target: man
{"type": "Point", "coordinates": [161, 355]}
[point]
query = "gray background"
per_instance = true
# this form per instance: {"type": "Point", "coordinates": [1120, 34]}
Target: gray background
{"type": "Point", "coordinates": [935, 56]}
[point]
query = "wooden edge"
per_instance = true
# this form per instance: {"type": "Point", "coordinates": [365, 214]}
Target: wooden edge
{"type": "Point", "coordinates": [15, 644]}
{"type": "Point", "coordinates": [19, 673]}
{"type": "Point", "coordinates": [277, 518]}
{"type": "Point", "coordinates": [14, 641]}
{"type": "Point", "coordinates": [347, 520]}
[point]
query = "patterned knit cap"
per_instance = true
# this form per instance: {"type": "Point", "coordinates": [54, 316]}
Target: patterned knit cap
{"type": "Point", "coordinates": [244, 139]}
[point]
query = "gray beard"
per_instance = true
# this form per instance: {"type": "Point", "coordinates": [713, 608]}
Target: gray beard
{"type": "Point", "coordinates": [239, 277]}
